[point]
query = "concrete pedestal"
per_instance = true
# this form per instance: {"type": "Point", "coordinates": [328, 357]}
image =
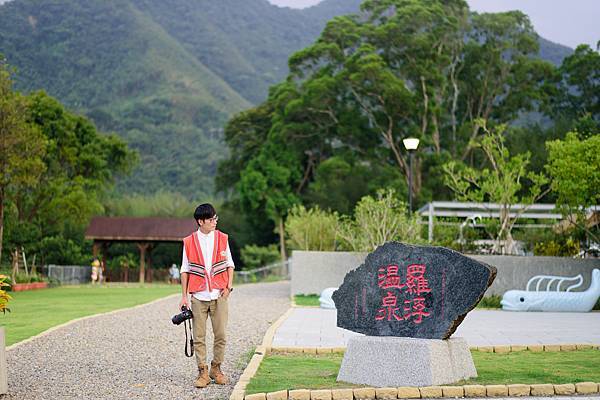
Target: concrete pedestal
{"type": "Point", "coordinates": [388, 361]}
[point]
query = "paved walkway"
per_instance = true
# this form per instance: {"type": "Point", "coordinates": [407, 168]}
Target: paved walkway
{"type": "Point", "coordinates": [315, 327]}
{"type": "Point", "coordinates": [138, 353]}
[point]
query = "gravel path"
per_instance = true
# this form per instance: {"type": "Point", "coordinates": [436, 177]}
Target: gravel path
{"type": "Point", "coordinates": [138, 354]}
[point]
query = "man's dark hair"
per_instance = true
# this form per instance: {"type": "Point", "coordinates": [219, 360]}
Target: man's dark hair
{"type": "Point", "coordinates": [204, 211]}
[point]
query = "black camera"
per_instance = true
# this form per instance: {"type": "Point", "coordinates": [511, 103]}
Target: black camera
{"type": "Point", "coordinates": [185, 314]}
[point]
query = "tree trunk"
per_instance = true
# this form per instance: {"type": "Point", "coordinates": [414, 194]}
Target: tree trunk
{"type": "Point", "coordinates": [282, 240]}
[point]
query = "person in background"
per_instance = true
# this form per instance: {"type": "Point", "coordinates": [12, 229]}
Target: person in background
{"type": "Point", "coordinates": [174, 274]}
{"type": "Point", "coordinates": [95, 270]}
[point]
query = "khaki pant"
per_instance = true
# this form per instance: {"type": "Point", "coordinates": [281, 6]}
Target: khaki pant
{"type": "Point", "coordinates": [218, 311]}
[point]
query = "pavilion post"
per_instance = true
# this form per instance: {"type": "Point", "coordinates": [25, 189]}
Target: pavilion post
{"type": "Point", "coordinates": [143, 247]}
{"type": "Point", "coordinates": [95, 248]}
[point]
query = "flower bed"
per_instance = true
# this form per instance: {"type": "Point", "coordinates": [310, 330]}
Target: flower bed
{"type": "Point", "coordinates": [20, 287]}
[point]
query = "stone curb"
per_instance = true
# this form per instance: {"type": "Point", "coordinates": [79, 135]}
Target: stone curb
{"type": "Point", "coordinates": [71, 322]}
{"type": "Point", "coordinates": [239, 389]}
{"type": "Point", "coordinates": [429, 392]}
{"type": "Point", "coordinates": [486, 349]}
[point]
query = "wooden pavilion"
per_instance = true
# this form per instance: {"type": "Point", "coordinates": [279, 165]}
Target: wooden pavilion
{"type": "Point", "coordinates": [145, 232]}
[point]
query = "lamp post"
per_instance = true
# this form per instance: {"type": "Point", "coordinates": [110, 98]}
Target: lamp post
{"type": "Point", "coordinates": [411, 145]}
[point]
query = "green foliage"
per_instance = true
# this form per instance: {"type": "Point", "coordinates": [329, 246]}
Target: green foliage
{"type": "Point", "coordinates": [492, 301]}
{"type": "Point", "coordinates": [567, 248]}
{"type": "Point", "coordinates": [379, 220]}
{"type": "Point", "coordinates": [62, 251]}
{"type": "Point", "coordinates": [340, 183]}
{"type": "Point", "coordinates": [56, 168]}
{"type": "Point", "coordinates": [579, 85]}
{"type": "Point", "coordinates": [332, 132]}
{"type": "Point", "coordinates": [312, 229]}
{"type": "Point", "coordinates": [22, 146]}
{"type": "Point", "coordinates": [254, 256]}
{"type": "Point", "coordinates": [28, 278]}
{"type": "Point", "coordinates": [501, 183]}
{"type": "Point", "coordinates": [375, 220]}
{"type": "Point", "coordinates": [574, 165]}
{"type": "Point", "coordinates": [4, 297]}
{"type": "Point", "coordinates": [449, 236]}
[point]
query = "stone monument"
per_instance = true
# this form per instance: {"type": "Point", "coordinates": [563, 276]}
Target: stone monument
{"type": "Point", "coordinates": [409, 300]}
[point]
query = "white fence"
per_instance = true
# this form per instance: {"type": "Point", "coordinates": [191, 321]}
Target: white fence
{"type": "Point", "coordinates": [278, 270]}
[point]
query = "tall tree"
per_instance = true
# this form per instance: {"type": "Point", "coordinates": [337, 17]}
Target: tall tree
{"type": "Point", "coordinates": [579, 85]}
{"type": "Point", "coordinates": [22, 146]}
{"type": "Point", "coordinates": [400, 68]}
{"type": "Point", "coordinates": [500, 75]}
{"type": "Point", "coordinates": [80, 165]}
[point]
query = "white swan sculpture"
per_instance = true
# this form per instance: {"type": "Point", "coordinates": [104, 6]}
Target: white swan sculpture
{"type": "Point", "coordinates": [556, 301]}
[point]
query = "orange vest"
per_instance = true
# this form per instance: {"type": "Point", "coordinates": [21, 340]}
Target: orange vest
{"type": "Point", "coordinates": [218, 278]}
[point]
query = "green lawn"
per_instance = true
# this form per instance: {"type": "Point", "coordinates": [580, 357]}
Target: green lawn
{"type": "Point", "coordinates": [35, 311]}
{"type": "Point", "coordinates": [544, 367]}
{"type": "Point", "coordinates": [302, 371]}
{"type": "Point", "coordinates": [307, 300]}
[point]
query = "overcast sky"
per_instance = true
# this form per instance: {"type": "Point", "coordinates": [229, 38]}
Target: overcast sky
{"type": "Point", "coordinates": [569, 22]}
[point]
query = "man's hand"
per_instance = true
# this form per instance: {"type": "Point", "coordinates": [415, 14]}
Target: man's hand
{"type": "Point", "coordinates": [225, 292]}
{"type": "Point", "coordinates": [184, 302]}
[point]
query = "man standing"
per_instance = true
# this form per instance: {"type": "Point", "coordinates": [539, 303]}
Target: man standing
{"type": "Point", "coordinates": [207, 274]}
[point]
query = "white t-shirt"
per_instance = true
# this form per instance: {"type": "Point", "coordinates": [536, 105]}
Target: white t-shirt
{"type": "Point", "coordinates": [207, 243]}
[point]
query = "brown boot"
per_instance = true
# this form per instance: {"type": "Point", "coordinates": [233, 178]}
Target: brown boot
{"type": "Point", "coordinates": [202, 380]}
{"type": "Point", "coordinates": [217, 375]}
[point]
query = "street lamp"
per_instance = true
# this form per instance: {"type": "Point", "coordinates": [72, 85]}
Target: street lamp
{"type": "Point", "coordinates": [411, 145]}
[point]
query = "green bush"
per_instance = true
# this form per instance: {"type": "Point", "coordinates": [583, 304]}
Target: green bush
{"type": "Point", "coordinates": [492, 301]}
{"type": "Point", "coordinates": [254, 256]}
{"type": "Point", "coordinates": [22, 277]}
{"type": "Point", "coordinates": [566, 248]}
{"type": "Point", "coordinates": [377, 221]}
{"type": "Point", "coordinates": [312, 229]}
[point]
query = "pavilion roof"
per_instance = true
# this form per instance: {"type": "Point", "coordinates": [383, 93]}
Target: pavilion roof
{"type": "Point", "coordinates": [147, 229]}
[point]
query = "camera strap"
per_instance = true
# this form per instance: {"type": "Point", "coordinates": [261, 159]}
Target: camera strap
{"type": "Point", "coordinates": [190, 352]}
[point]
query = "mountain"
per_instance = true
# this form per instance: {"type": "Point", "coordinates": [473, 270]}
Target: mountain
{"type": "Point", "coordinates": [165, 75]}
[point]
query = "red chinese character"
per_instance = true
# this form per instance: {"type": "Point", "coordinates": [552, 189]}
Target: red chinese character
{"type": "Point", "coordinates": [389, 308]}
{"type": "Point", "coordinates": [415, 279]}
{"type": "Point", "coordinates": [388, 277]}
{"type": "Point", "coordinates": [419, 309]}
{"type": "Point", "coordinates": [407, 309]}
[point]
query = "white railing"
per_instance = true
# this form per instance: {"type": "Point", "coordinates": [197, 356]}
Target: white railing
{"type": "Point", "coordinates": [278, 270]}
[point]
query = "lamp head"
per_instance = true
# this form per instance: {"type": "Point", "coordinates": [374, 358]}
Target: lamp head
{"type": "Point", "coordinates": [411, 143]}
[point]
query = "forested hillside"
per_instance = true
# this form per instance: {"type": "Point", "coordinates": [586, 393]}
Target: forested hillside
{"type": "Point", "coordinates": [166, 76]}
